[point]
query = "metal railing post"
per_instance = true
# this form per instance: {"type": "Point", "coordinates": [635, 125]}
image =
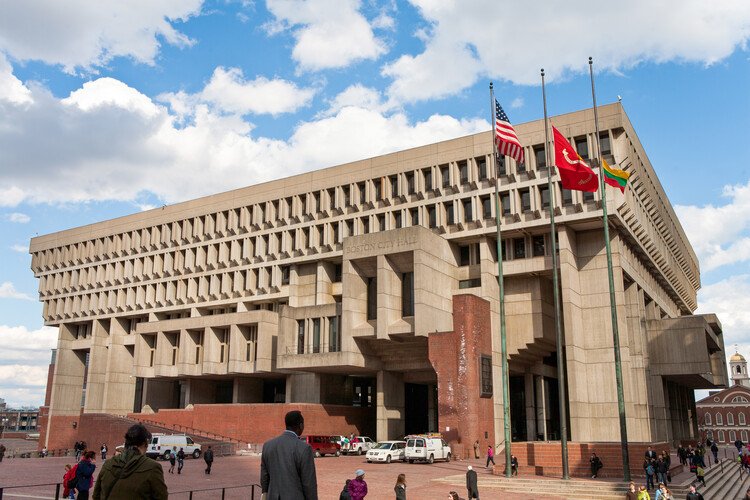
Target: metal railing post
{"type": "Point", "coordinates": [57, 491]}
{"type": "Point", "coordinates": [252, 493]}
{"type": "Point", "coordinates": [191, 496]}
{"type": "Point", "coordinates": [222, 493]}
{"type": "Point", "coordinates": [1, 493]}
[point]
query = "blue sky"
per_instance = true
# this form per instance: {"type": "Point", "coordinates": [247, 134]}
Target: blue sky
{"type": "Point", "coordinates": [107, 110]}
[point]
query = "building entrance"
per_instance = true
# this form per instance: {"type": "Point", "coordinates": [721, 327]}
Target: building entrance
{"type": "Point", "coordinates": [416, 408]}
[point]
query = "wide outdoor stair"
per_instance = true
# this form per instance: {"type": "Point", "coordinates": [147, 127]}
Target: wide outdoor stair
{"type": "Point", "coordinates": [572, 488]}
{"type": "Point", "coordinates": [729, 483]}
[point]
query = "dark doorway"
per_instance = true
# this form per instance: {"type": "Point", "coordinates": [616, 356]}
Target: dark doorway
{"type": "Point", "coordinates": [363, 389]}
{"type": "Point", "coordinates": [224, 391]}
{"type": "Point", "coordinates": [416, 410]}
{"type": "Point", "coordinates": [274, 390]}
{"type": "Point", "coordinates": [517, 408]}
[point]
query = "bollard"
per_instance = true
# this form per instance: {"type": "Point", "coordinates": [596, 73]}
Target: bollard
{"type": "Point", "coordinates": [252, 493]}
{"type": "Point", "coordinates": [57, 491]}
{"type": "Point", "coordinates": [1, 494]}
{"type": "Point", "coordinates": [222, 493]}
{"type": "Point", "coordinates": [191, 496]}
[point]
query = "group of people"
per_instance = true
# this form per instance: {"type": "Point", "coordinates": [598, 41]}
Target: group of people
{"type": "Point", "coordinates": [656, 466]}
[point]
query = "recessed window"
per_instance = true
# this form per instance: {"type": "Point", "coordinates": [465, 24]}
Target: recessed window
{"type": "Point", "coordinates": [362, 190]}
{"type": "Point", "coordinates": [472, 283]}
{"type": "Point", "coordinates": [605, 144]}
{"type": "Point", "coordinates": [427, 174]}
{"type": "Point", "coordinates": [537, 243]}
{"type": "Point", "coordinates": [486, 376]}
{"type": "Point", "coordinates": [410, 183]}
{"type": "Point", "coordinates": [582, 147]}
{"type": "Point", "coordinates": [414, 213]}
{"type": "Point", "coordinates": [588, 196]}
{"type": "Point", "coordinates": [407, 294]}
{"type": "Point", "coordinates": [372, 299]}
{"type": "Point", "coordinates": [707, 419]}
{"type": "Point", "coordinates": [316, 335]}
{"type": "Point", "coordinates": [300, 336]}
{"type": "Point", "coordinates": [365, 225]}
{"type": "Point", "coordinates": [397, 222]}
{"type": "Point", "coordinates": [463, 169]}
{"type": "Point", "coordinates": [719, 419]}
{"type": "Point", "coordinates": [500, 166]}
{"type": "Point", "coordinates": [505, 203]}
{"type": "Point", "coordinates": [519, 248]}
{"type": "Point", "coordinates": [468, 254]}
{"type": "Point", "coordinates": [520, 168]}
{"type": "Point", "coordinates": [540, 157]}
{"type": "Point", "coordinates": [482, 167]}
{"type": "Point", "coordinates": [350, 228]}
{"type": "Point", "coordinates": [284, 275]}
{"type": "Point", "coordinates": [449, 214]}
{"type": "Point", "coordinates": [432, 216]}
{"type": "Point", "coordinates": [525, 199]}
{"type": "Point", "coordinates": [334, 335]}
{"type": "Point", "coordinates": [394, 186]}
{"type": "Point", "coordinates": [378, 184]}
{"type": "Point", "coordinates": [445, 175]}
{"type": "Point", "coordinates": [486, 207]}
{"type": "Point", "coordinates": [468, 216]}
{"type": "Point", "coordinates": [337, 270]}
{"type": "Point", "coordinates": [544, 196]}
{"type": "Point", "coordinates": [381, 222]}
{"type": "Point", "coordinates": [567, 196]}
{"type": "Point", "coordinates": [347, 196]}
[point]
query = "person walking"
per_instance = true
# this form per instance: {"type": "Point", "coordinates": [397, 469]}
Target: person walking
{"type": "Point", "coordinates": [78, 450]}
{"type": "Point", "coordinates": [693, 495]}
{"type": "Point", "coordinates": [103, 451]}
{"type": "Point", "coordinates": [631, 494]}
{"type": "Point", "coordinates": [513, 465]}
{"type": "Point", "coordinates": [661, 471]}
{"type": "Point", "coordinates": [180, 460]}
{"type": "Point", "coordinates": [476, 449]}
{"type": "Point", "coordinates": [681, 454]}
{"type": "Point", "coordinates": [661, 491]}
{"type": "Point", "coordinates": [472, 488]}
{"type": "Point", "coordinates": [131, 475]}
{"type": "Point", "coordinates": [287, 466]}
{"type": "Point", "coordinates": [490, 457]}
{"type": "Point", "coordinates": [699, 474]}
{"type": "Point", "coordinates": [172, 459]}
{"type": "Point", "coordinates": [2, 452]}
{"type": "Point", "coordinates": [358, 486]}
{"type": "Point", "coordinates": [648, 467]}
{"type": "Point", "coordinates": [650, 454]}
{"type": "Point", "coordinates": [643, 493]}
{"type": "Point", "coordinates": [344, 495]}
{"type": "Point", "coordinates": [85, 475]}
{"type": "Point", "coordinates": [400, 488]}
{"type": "Point", "coordinates": [596, 465]}
{"type": "Point", "coordinates": [208, 457]}
{"type": "Point", "coordinates": [738, 444]}
{"type": "Point", "coordinates": [69, 490]}
{"type": "Point", "coordinates": [715, 452]}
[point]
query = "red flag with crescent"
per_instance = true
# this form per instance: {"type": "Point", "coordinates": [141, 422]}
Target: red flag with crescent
{"type": "Point", "coordinates": [574, 173]}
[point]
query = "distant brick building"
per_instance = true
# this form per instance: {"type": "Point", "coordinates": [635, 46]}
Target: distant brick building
{"type": "Point", "coordinates": [725, 415]}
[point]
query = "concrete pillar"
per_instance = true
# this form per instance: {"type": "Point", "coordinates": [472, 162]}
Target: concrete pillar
{"type": "Point", "coordinates": [247, 390]}
{"type": "Point", "coordinates": [119, 390]}
{"type": "Point", "coordinates": [389, 403]}
{"type": "Point", "coordinates": [303, 388]}
{"type": "Point", "coordinates": [530, 407]}
{"type": "Point", "coordinates": [96, 376]}
{"type": "Point", "coordinates": [68, 377]}
{"type": "Point", "coordinates": [541, 406]}
{"type": "Point", "coordinates": [389, 297]}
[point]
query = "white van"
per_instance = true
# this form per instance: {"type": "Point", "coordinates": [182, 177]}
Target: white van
{"type": "Point", "coordinates": [427, 449]}
{"type": "Point", "coordinates": [162, 444]}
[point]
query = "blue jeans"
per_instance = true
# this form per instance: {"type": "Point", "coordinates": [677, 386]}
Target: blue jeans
{"type": "Point", "coordinates": [649, 481]}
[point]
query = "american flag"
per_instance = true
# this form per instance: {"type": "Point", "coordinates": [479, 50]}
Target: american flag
{"type": "Point", "coordinates": [507, 140]}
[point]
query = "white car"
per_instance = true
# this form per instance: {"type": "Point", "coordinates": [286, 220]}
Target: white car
{"type": "Point", "coordinates": [387, 451]}
{"type": "Point", "coordinates": [359, 445]}
{"type": "Point", "coordinates": [161, 445]}
{"type": "Point", "coordinates": [427, 449]}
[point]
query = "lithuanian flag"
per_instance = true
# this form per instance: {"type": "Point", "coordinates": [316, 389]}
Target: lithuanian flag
{"type": "Point", "coordinates": [615, 177]}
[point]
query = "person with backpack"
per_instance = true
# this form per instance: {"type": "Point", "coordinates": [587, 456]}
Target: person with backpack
{"type": "Point", "coordinates": [85, 475]}
{"type": "Point", "coordinates": [208, 457]}
{"type": "Point", "coordinates": [180, 460]}
{"type": "Point", "coordinates": [69, 483]}
{"type": "Point", "coordinates": [648, 466]}
{"type": "Point", "coordinates": [131, 475]}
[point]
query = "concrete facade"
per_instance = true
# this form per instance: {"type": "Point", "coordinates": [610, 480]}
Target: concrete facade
{"type": "Point", "coordinates": [326, 287]}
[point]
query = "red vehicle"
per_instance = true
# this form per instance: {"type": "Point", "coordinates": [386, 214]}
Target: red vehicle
{"type": "Point", "coordinates": [323, 445]}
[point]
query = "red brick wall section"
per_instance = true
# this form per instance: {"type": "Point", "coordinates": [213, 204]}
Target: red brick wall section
{"type": "Point", "coordinates": [455, 356]}
{"type": "Point", "coordinates": [256, 423]}
{"type": "Point", "coordinates": [543, 459]}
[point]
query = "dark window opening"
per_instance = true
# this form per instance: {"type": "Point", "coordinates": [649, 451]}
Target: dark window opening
{"type": "Point", "coordinates": [588, 196]}
{"type": "Point", "coordinates": [445, 175]}
{"type": "Point", "coordinates": [407, 294]}
{"type": "Point", "coordinates": [449, 214]}
{"type": "Point", "coordinates": [482, 167]}
{"type": "Point", "coordinates": [537, 244]}
{"type": "Point", "coordinates": [463, 169]}
{"type": "Point", "coordinates": [372, 298]}
{"type": "Point", "coordinates": [486, 376]}
{"type": "Point", "coordinates": [284, 275]}
{"type": "Point", "coordinates": [394, 186]}
{"type": "Point", "coordinates": [427, 174]}
{"type": "Point", "coordinates": [519, 248]}
{"type": "Point", "coordinates": [544, 195]}
{"type": "Point", "coordinates": [605, 144]}
{"type": "Point", "coordinates": [397, 219]}
{"type": "Point", "coordinates": [487, 207]}
{"type": "Point", "coordinates": [541, 159]}
{"type": "Point", "coordinates": [567, 196]}
{"type": "Point", "coordinates": [582, 147]}
{"type": "Point", "coordinates": [468, 216]}
{"type": "Point", "coordinates": [365, 225]}
{"type": "Point", "coordinates": [500, 166]}
{"type": "Point", "coordinates": [525, 199]}
{"type": "Point", "coordinates": [381, 222]}
{"type": "Point", "coordinates": [300, 336]}
{"type": "Point", "coordinates": [472, 283]}
{"type": "Point", "coordinates": [316, 336]}
{"type": "Point", "coordinates": [432, 216]}
{"type": "Point", "coordinates": [378, 189]}
{"type": "Point", "coordinates": [337, 269]}
{"type": "Point", "coordinates": [347, 196]}
{"type": "Point", "coordinates": [334, 336]}
{"type": "Point", "coordinates": [505, 202]}
{"type": "Point", "coordinates": [410, 183]}
{"type": "Point", "coordinates": [414, 216]}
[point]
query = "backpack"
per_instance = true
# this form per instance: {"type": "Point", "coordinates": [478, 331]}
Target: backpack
{"type": "Point", "coordinates": [650, 470]}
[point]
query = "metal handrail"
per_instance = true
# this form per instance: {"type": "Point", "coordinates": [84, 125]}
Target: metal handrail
{"type": "Point", "coordinates": [252, 487]}
{"type": "Point", "coordinates": [56, 485]}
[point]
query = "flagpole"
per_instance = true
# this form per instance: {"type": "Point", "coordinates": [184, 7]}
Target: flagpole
{"type": "Point", "coordinates": [562, 395]}
{"type": "Point", "coordinates": [501, 287]}
{"type": "Point", "coordinates": [612, 302]}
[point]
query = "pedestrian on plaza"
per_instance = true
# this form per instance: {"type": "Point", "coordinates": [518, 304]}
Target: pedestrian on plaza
{"type": "Point", "coordinates": [643, 493]}
{"type": "Point", "coordinates": [287, 467]}
{"type": "Point", "coordinates": [661, 470]}
{"type": "Point", "coordinates": [693, 495]}
{"type": "Point", "coordinates": [44, 452]}
{"type": "Point", "coordinates": [78, 450]}
{"type": "Point", "coordinates": [208, 457]}
{"type": "Point", "coordinates": [2, 452]}
{"type": "Point", "coordinates": [180, 460]}
{"type": "Point", "coordinates": [513, 465]}
{"type": "Point", "coordinates": [70, 474]}
{"type": "Point", "coordinates": [648, 467]}
{"type": "Point", "coordinates": [661, 489]}
{"type": "Point", "coordinates": [344, 495]}
{"type": "Point", "coordinates": [490, 457]}
{"type": "Point", "coordinates": [400, 488]}
{"type": "Point", "coordinates": [103, 451]}
{"type": "Point", "coordinates": [650, 454]}
{"type": "Point", "coordinates": [681, 454]}
{"type": "Point", "coordinates": [476, 449]}
{"type": "Point", "coordinates": [631, 494]}
{"type": "Point", "coordinates": [701, 453]}
{"type": "Point", "coordinates": [738, 444]}
{"type": "Point", "coordinates": [358, 486]}
{"type": "Point", "coordinates": [172, 459]}
{"type": "Point", "coordinates": [699, 474]}
{"type": "Point", "coordinates": [596, 465]}
{"type": "Point", "coordinates": [472, 488]}
{"type": "Point", "coordinates": [715, 451]}
{"type": "Point", "coordinates": [85, 475]}
{"type": "Point", "coordinates": [131, 475]}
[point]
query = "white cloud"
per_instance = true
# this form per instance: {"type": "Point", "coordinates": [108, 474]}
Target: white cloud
{"type": "Point", "coordinates": [729, 299]}
{"type": "Point", "coordinates": [20, 248]}
{"type": "Point", "coordinates": [24, 363]}
{"type": "Point", "coordinates": [357, 96]}
{"type": "Point", "coordinates": [510, 40]}
{"type": "Point", "coordinates": [517, 103]}
{"type": "Point", "coordinates": [723, 244]}
{"type": "Point", "coordinates": [231, 92]}
{"type": "Point", "coordinates": [107, 141]}
{"type": "Point", "coordinates": [8, 291]}
{"type": "Point", "coordinates": [85, 34]}
{"type": "Point", "coordinates": [11, 88]}
{"type": "Point", "coordinates": [18, 218]}
{"type": "Point", "coordinates": [328, 33]}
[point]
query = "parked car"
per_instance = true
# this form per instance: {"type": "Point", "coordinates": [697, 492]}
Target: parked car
{"type": "Point", "coordinates": [162, 444]}
{"type": "Point", "coordinates": [387, 451]}
{"type": "Point", "coordinates": [427, 449]}
{"type": "Point", "coordinates": [359, 445]}
{"type": "Point", "coordinates": [323, 445]}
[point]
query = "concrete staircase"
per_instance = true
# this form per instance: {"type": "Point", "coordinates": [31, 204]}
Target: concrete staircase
{"type": "Point", "coordinates": [724, 481]}
{"type": "Point", "coordinates": [577, 489]}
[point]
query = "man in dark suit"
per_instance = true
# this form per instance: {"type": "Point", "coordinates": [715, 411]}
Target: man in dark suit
{"type": "Point", "coordinates": [650, 454]}
{"type": "Point", "coordinates": [287, 467]}
{"type": "Point", "coordinates": [471, 483]}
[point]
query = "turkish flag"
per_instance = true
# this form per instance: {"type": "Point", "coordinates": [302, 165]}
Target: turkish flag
{"type": "Point", "coordinates": [574, 173]}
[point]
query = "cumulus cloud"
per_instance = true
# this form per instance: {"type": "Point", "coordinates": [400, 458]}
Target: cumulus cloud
{"type": "Point", "coordinates": [728, 298]}
{"type": "Point", "coordinates": [108, 141]}
{"type": "Point", "coordinates": [719, 245]}
{"type": "Point", "coordinates": [327, 33]}
{"type": "Point", "coordinates": [83, 34]}
{"type": "Point", "coordinates": [463, 43]}
{"type": "Point", "coordinates": [229, 91]}
{"type": "Point", "coordinates": [8, 291]}
{"type": "Point", "coordinates": [18, 218]}
{"type": "Point", "coordinates": [23, 367]}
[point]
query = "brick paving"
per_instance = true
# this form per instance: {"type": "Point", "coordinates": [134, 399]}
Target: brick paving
{"type": "Point", "coordinates": [424, 482]}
